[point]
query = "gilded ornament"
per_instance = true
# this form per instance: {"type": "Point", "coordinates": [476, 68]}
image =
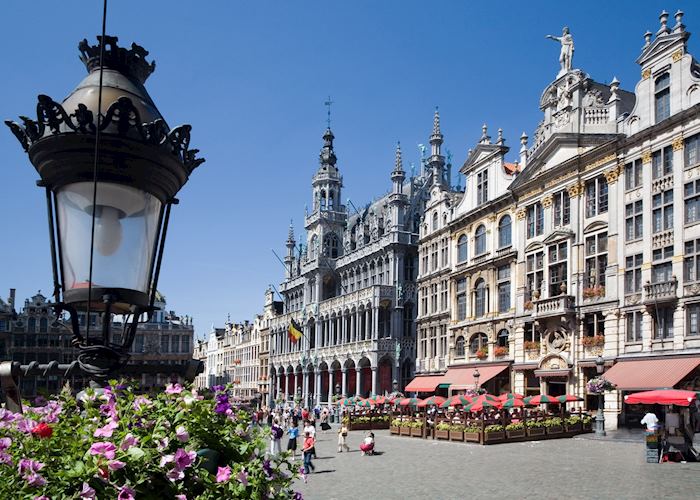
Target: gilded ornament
{"type": "Point", "coordinates": [520, 214]}
{"type": "Point", "coordinates": [600, 162]}
{"type": "Point", "coordinates": [678, 143]}
{"type": "Point", "coordinates": [575, 190]}
{"type": "Point", "coordinates": [547, 201]}
{"type": "Point", "coordinates": [646, 156]}
{"type": "Point", "coordinates": [646, 74]}
{"type": "Point", "coordinates": [677, 55]}
{"type": "Point", "coordinates": [611, 175]}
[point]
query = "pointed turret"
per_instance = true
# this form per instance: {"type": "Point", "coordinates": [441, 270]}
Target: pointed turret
{"type": "Point", "coordinates": [436, 161]}
{"type": "Point", "coordinates": [398, 175]}
{"type": "Point", "coordinates": [327, 156]}
{"type": "Point", "coordinates": [289, 258]}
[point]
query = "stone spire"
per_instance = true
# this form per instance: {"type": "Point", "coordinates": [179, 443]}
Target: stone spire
{"type": "Point", "coordinates": [289, 258]}
{"type": "Point", "coordinates": [290, 234]}
{"type": "Point", "coordinates": [398, 175]}
{"type": "Point", "coordinates": [523, 151]}
{"type": "Point", "coordinates": [327, 157]}
{"type": "Point", "coordinates": [436, 161]}
{"type": "Point", "coordinates": [500, 140]}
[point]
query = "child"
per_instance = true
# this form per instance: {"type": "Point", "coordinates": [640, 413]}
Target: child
{"type": "Point", "coordinates": [293, 432]}
{"type": "Point", "coordinates": [367, 446]}
{"type": "Point", "coordinates": [275, 438]}
{"type": "Point", "coordinates": [309, 444]}
{"type": "Point", "coordinates": [342, 434]}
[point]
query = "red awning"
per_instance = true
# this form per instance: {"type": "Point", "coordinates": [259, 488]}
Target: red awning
{"type": "Point", "coordinates": [425, 383]}
{"type": "Point", "coordinates": [630, 375]}
{"type": "Point", "coordinates": [465, 376]}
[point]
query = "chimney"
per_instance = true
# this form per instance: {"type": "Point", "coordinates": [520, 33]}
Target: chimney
{"type": "Point", "coordinates": [12, 298]}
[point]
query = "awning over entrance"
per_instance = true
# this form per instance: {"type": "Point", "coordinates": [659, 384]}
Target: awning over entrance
{"type": "Point", "coordinates": [425, 383]}
{"type": "Point", "coordinates": [632, 375]}
{"type": "Point", "coordinates": [465, 376]}
{"type": "Point", "coordinates": [565, 372]}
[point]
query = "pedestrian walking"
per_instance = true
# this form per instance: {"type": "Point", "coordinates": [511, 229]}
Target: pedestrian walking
{"type": "Point", "coordinates": [276, 434]}
{"type": "Point", "coordinates": [308, 450]}
{"type": "Point", "coordinates": [293, 433]}
{"type": "Point", "coordinates": [342, 435]}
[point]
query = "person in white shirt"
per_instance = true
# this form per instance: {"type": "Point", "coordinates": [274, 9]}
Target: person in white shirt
{"type": "Point", "coordinates": [651, 421]}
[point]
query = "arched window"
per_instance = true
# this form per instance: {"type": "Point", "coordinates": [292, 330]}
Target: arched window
{"type": "Point", "coordinates": [462, 248]}
{"type": "Point", "coordinates": [502, 338]}
{"type": "Point", "coordinates": [435, 221]}
{"type": "Point", "coordinates": [330, 204]}
{"type": "Point", "coordinates": [504, 239]}
{"type": "Point", "coordinates": [480, 298]}
{"type": "Point", "coordinates": [459, 347]}
{"type": "Point", "coordinates": [31, 325]}
{"type": "Point", "coordinates": [323, 200]}
{"type": "Point", "coordinates": [43, 325]}
{"type": "Point", "coordinates": [662, 97]}
{"type": "Point", "coordinates": [478, 341]}
{"type": "Point", "coordinates": [480, 240]}
{"type": "Point", "coordinates": [313, 247]}
{"type": "Point", "coordinates": [330, 246]}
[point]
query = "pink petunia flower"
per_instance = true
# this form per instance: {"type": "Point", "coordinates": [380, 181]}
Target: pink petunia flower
{"type": "Point", "coordinates": [175, 474]}
{"type": "Point", "coordinates": [5, 458]}
{"type": "Point", "coordinates": [243, 477]}
{"type": "Point", "coordinates": [35, 479]}
{"type": "Point", "coordinates": [141, 402]}
{"type": "Point", "coordinates": [87, 493]}
{"type": "Point", "coordinates": [223, 474]}
{"type": "Point", "coordinates": [174, 389]}
{"type": "Point", "coordinates": [5, 443]}
{"type": "Point", "coordinates": [29, 466]}
{"type": "Point", "coordinates": [104, 448]}
{"type": "Point", "coordinates": [182, 434]}
{"type": "Point", "coordinates": [126, 493]}
{"type": "Point", "coordinates": [42, 497]}
{"type": "Point", "coordinates": [184, 459]}
{"type": "Point", "coordinates": [107, 430]}
{"type": "Point", "coordinates": [116, 464]}
{"type": "Point", "coordinates": [162, 444]}
{"type": "Point", "coordinates": [26, 425]}
{"type": "Point", "coordinates": [129, 441]}
{"type": "Point", "coordinates": [180, 497]}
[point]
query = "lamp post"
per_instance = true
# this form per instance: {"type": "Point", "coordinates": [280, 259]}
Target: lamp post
{"type": "Point", "coordinates": [600, 416]}
{"type": "Point", "coordinates": [110, 166]}
{"type": "Point", "coordinates": [476, 376]}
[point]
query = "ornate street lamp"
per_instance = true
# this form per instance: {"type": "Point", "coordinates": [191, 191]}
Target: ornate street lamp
{"type": "Point", "coordinates": [476, 376]}
{"type": "Point", "coordinates": [600, 415]}
{"type": "Point", "coordinates": [111, 167]}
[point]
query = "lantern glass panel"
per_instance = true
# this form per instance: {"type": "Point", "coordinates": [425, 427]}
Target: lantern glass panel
{"type": "Point", "coordinates": [126, 221]}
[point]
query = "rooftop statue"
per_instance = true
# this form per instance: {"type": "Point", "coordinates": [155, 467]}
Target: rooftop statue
{"type": "Point", "coordinates": [567, 50]}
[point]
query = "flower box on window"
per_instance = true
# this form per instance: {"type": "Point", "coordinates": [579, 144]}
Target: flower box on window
{"type": "Point", "coordinates": [500, 351]}
{"type": "Point", "coordinates": [532, 345]}
{"type": "Point", "coordinates": [593, 291]}
{"type": "Point", "coordinates": [594, 341]}
{"type": "Point", "coordinates": [482, 353]}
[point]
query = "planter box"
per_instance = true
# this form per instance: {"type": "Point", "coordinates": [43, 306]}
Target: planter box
{"type": "Point", "coordinates": [405, 431]}
{"type": "Point", "coordinates": [417, 432]}
{"type": "Point", "coordinates": [494, 437]}
{"type": "Point", "coordinates": [555, 430]}
{"type": "Point", "coordinates": [472, 437]}
{"type": "Point", "coordinates": [456, 435]}
{"type": "Point", "coordinates": [574, 429]}
{"type": "Point", "coordinates": [363, 426]}
{"type": "Point", "coordinates": [535, 431]}
{"type": "Point", "coordinates": [442, 434]}
{"type": "Point", "coordinates": [519, 434]}
{"type": "Point", "coordinates": [395, 430]}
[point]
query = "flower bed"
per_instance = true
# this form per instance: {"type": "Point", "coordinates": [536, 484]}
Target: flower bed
{"type": "Point", "coordinates": [593, 341]}
{"type": "Point", "coordinates": [472, 434]}
{"type": "Point", "coordinates": [535, 428]}
{"type": "Point", "coordinates": [573, 425]}
{"type": "Point", "coordinates": [554, 426]}
{"type": "Point", "coordinates": [442, 431]}
{"type": "Point", "coordinates": [456, 432]}
{"type": "Point", "coordinates": [494, 434]}
{"type": "Point", "coordinates": [117, 444]}
{"type": "Point", "coordinates": [395, 427]}
{"type": "Point", "coordinates": [515, 431]}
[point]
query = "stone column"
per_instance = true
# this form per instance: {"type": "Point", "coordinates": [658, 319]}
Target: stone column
{"type": "Point", "coordinates": [294, 388]}
{"type": "Point", "coordinates": [317, 387]}
{"type": "Point", "coordinates": [344, 382]}
{"type": "Point", "coordinates": [375, 322]}
{"type": "Point", "coordinates": [343, 329]}
{"type": "Point", "coordinates": [374, 380]}
{"type": "Point", "coordinates": [331, 382]}
{"type": "Point", "coordinates": [305, 388]}
{"type": "Point", "coordinates": [353, 326]}
{"type": "Point", "coordinates": [358, 380]}
{"type": "Point", "coordinates": [279, 385]}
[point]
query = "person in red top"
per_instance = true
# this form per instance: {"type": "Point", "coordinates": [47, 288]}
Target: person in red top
{"type": "Point", "coordinates": [304, 414]}
{"type": "Point", "coordinates": [309, 443]}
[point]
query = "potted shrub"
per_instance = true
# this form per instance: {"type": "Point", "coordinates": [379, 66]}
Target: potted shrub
{"type": "Point", "coordinates": [442, 430]}
{"type": "Point", "coordinates": [500, 351]}
{"type": "Point", "coordinates": [535, 428]}
{"type": "Point", "coordinates": [472, 433]}
{"type": "Point", "coordinates": [456, 432]}
{"type": "Point", "coordinates": [554, 426]}
{"type": "Point", "coordinates": [417, 428]}
{"type": "Point", "coordinates": [573, 424]}
{"type": "Point", "coordinates": [395, 427]}
{"type": "Point", "coordinates": [482, 353]}
{"type": "Point", "coordinates": [515, 431]}
{"type": "Point", "coordinates": [494, 433]}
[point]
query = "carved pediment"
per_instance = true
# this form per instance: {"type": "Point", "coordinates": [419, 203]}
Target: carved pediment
{"type": "Point", "coordinates": [558, 235]}
{"type": "Point", "coordinates": [595, 226]}
{"type": "Point", "coordinates": [535, 245]}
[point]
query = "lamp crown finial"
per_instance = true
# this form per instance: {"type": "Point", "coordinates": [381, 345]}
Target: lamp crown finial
{"type": "Point", "coordinates": [131, 62]}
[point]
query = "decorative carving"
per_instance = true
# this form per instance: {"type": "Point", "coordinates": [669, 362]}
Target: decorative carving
{"type": "Point", "coordinates": [601, 161]}
{"type": "Point", "coordinates": [566, 55]}
{"type": "Point", "coordinates": [678, 143]}
{"type": "Point", "coordinates": [547, 201]}
{"type": "Point", "coordinates": [593, 97]}
{"type": "Point", "coordinates": [561, 118]}
{"type": "Point", "coordinates": [127, 61]}
{"type": "Point", "coordinates": [575, 190]}
{"type": "Point", "coordinates": [612, 175]}
{"type": "Point", "coordinates": [646, 156]}
{"type": "Point", "coordinates": [556, 341]}
{"type": "Point", "coordinates": [646, 73]}
{"type": "Point", "coordinates": [692, 289]}
{"type": "Point", "coordinates": [121, 117]}
{"type": "Point", "coordinates": [520, 214]}
{"type": "Point", "coordinates": [677, 55]}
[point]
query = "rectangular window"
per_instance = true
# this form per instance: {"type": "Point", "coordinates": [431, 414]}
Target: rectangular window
{"type": "Point", "coordinates": [461, 299]}
{"type": "Point", "coordinates": [633, 174]}
{"type": "Point", "coordinates": [443, 295]}
{"type": "Point", "coordinates": [434, 256]}
{"type": "Point", "coordinates": [164, 344]}
{"type": "Point", "coordinates": [692, 328]}
{"type": "Point", "coordinates": [596, 196]}
{"type": "Point", "coordinates": [663, 323]}
{"type": "Point", "coordinates": [691, 195]}
{"type": "Point", "coordinates": [557, 267]}
{"type": "Point", "coordinates": [503, 278]}
{"type": "Point", "coordinates": [535, 274]}
{"type": "Point", "coordinates": [596, 260]}
{"type": "Point", "coordinates": [535, 220]}
{"type": "Point", "coordinates": [444, 245]}
{"type": "Point", "coordinates": [138, 344]}
{"type": "Point", "coordinates": [562, 208]}
{"type": "Point", "coordinates": [692, 150]}
{"type": "Point", "coordinates": [691, 262]}
{"type": "Point", "coordinates": [633, 274]}
{"type": "Point", "coordinates": [662, 211]}
{"type": "Point", "coordinates": [482, 187]}
{"type": "Point", "coordinates": [634, 221]}
{"type": "Point", "coordinates": [662, 162]}
{"type": "Point", "coordinates": [662, 269]}
{"type": "Point", "coordinates": [174, 343]}
{"type": "Point", "coordinates": [424, 300]}
{"type": "Point", "coordinates": [594, 324]}
{"type": "Point", "coordinates": [634, 326]}
{"type": "Point", "coordinates": [433, 298]}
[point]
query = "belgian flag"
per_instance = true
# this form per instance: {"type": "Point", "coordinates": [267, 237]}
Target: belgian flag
{"type": "Point", "coordinates": [294, 332]}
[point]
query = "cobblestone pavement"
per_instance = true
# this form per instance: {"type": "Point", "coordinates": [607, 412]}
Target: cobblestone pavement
{"type": "Point", "coordinates": [408, 468]}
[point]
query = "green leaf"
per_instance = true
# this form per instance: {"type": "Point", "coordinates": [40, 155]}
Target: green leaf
{"type": "Point", "coordinates": [136, 453]}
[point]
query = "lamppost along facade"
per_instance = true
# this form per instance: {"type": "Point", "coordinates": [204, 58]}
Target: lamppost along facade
{"type": "Point", "coordinates": [600, 415]}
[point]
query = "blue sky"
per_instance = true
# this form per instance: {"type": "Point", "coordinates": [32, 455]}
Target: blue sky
{"type": "Point", "coordinates": [251, 77]}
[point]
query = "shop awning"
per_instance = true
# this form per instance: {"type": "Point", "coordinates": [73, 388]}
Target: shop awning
{"type": "Point", "coordinates": [564, 372]}
{"type": "Point", "coordinates": [465, 376]}
{"type": "Point", "coordinates": [425, 383]}
{"type": "Point", "coordinates": [632, 375]}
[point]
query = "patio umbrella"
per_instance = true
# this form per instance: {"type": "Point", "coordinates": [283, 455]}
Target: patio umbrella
{"type": "Point", "coordinates": [410, 401]}
{"type": "Point", "coordinates": [510, 395]}
{"type": "Point", "coordinates": [483, 401]}
{"type": "Point", "coordinates": [432, 401]}
{"type": "Point", "coordinates": [365, 403]}
{"type": "Point", "coordinates": [456, 400]}
{"type": "Point", "coordinates": [662, 397]}
{"type": "Point", "coordinates": [540, 399]}
{"type": "Point", "coordinates": [567, 398]}
{"type": "Point", "coordinates": [513, 403]}
{"type": "Point", "coordinates": [380, 400]}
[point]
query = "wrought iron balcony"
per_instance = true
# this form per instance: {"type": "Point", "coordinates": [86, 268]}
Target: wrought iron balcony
{"type": "Point", "coordinates": [553, 306]}
{"type": "Point", "coordinates": [662, 291]}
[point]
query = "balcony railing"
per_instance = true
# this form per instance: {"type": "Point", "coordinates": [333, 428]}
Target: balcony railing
{"type": "Point", "coordinates": [553, 306]}
{"type": "Point", "coordinates": [663, 291]}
